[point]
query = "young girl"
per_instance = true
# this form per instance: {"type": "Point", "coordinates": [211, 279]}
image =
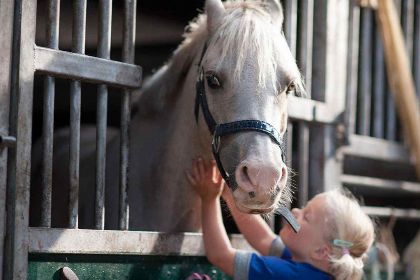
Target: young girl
{"type": "Point", "coordinates": [334, 236]}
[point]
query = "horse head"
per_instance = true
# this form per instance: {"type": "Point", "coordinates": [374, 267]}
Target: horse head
{"type": "Point", "coordinates": [234, 70]}
{"type": "Point", "coordinates": [246, 71]}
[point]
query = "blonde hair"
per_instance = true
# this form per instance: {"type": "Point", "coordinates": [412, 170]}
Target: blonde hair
{"type": "Point", "coordinates": [347, 222]}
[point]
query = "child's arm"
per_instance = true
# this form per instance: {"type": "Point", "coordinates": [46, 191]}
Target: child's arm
{"type": "Point", "coordinates": [209, 185]}
{"type": "Point", "coordinates": [256, 231]}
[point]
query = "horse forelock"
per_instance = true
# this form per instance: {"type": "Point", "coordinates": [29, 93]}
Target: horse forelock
{"type": "Point", "coordinates": [247, 26]}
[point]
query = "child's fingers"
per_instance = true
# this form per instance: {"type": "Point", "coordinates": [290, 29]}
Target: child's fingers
{"type": "Point", "coordinates": [190, 178]}
{"type": "Point", "coordinates": [195, 171]}
{"type": "Point", "coordinates": [201, 167]}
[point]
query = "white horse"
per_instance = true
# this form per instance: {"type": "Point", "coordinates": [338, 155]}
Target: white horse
{"type": "Point", "coordinates": [235, 65]}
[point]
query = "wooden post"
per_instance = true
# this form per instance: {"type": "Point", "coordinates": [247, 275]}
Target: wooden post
{"type": "Point", "coordinates": [400, 77]}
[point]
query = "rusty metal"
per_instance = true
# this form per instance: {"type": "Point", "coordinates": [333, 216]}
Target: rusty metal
{"type": "Point", "coordinates": [105, 15]}
{"type": "Point", "coordinates": [52, 33]}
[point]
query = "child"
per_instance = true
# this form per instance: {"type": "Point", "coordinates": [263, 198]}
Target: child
{"type": "Point", "coordinates": [334, 236]}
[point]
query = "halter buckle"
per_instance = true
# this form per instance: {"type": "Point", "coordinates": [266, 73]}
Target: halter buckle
{"type": "Point", "coordinates": [215, 143]}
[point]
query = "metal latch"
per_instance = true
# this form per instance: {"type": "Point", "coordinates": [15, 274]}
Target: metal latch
{"type": "Point", "coordinates": [7, 141]}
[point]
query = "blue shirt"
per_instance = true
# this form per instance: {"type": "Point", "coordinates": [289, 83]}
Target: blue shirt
{"type": "Point", "coordinates": [280, 266]}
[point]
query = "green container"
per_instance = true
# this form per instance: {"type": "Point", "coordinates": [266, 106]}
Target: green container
{"type": "Point", "coordinates": [92, 267]}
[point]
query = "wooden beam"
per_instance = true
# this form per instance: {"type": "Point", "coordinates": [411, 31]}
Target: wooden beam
{"type": "Point", "coordinates": [400, 77]}
{"type": "Point", "coordinates": [116, 242]}
{"type": "Point", "coordinates": [375, 148]}
{"type": "Point", "coordinates": [87, 68]}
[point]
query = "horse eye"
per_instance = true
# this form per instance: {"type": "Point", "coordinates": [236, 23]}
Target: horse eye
{"type": "Point", "coordinates": [291, 88]}
{"type": "Point", "coordinates": [213, 81]}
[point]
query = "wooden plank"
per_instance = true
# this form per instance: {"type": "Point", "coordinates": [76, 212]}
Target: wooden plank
{"type": "Point", "coordinates": [114, 242]}
{"type": "Point", "coordinates": [87, 68]}
{"type": "Point", "coordinates": [374, 148]}
{"type": "Point", "coordinates": [6, 35]}
{"type": "Point", "coordinates": [303, 109]}
{"type": "Point", "coordinates": [400, 77]}
{"type": "Point", "coordinates": [328, 85]}
{"type": "Point", "coordinates": [20, 159]}
{"type": "Point", "coordinates": [381, 187]}
{"type": "Point", "coordinates": [384, 212]}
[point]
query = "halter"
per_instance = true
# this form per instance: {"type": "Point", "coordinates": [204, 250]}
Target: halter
{"type": "Point", "coordinates": [219, 130]}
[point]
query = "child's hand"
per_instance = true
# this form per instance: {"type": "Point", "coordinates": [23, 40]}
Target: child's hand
{"type": "Point", "coordinates": [205, 179]}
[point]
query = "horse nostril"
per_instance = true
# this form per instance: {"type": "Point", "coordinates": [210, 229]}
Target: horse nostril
{"type": "Point", "coordinates": [251, 194]}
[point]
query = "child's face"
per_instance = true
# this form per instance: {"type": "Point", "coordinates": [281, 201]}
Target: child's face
{"type": "Point", "coordinates": [312, 220]}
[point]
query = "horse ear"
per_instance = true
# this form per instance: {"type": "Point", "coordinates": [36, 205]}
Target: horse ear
{"type": "Point", "coordinates": [215, 12]}
{"type": "Point", "coordinates": [276, 11]}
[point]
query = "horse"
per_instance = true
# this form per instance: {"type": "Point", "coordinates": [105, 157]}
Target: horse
{"type": "Point", "coordinates": [223, 95]}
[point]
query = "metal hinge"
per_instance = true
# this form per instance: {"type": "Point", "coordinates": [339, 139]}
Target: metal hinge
{"type": "Point", "coordinates": [7, 141]}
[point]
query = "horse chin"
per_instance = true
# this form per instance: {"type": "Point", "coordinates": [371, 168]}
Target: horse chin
{"type": "Point", "coordinates": [254, 209]}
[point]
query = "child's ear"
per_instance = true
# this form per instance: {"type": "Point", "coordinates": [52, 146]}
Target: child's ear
{"type": "Point", "coordinates": [322, 252]}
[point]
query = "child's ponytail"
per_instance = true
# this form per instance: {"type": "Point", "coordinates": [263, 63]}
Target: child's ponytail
{"type": "Point", "coordinates": [351, 234]}
{"type": "Point", "coordinates": [346, 267]}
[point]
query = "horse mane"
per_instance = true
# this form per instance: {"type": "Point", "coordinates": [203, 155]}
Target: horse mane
{"type": "Point", "coordinates": [247, 26]}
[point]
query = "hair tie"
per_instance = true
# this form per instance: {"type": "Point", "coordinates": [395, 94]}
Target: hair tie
{"type": "Point", "coordinates": [344, 245]}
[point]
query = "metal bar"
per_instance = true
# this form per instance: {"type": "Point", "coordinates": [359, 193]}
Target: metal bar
{"type": "Point", "coordinates": [391, 117]}
{"type": "Point", "coordinates": [6, 35]}
{"type": "Point", "coordinates": [407, 23]}
{"type": "Point", "coordinates": [87, 68]}
{"type": "Point", "coordinates": [19, 161]}
{"type": "Point", "coordinates": [79, 33]}
{"type": "Point", "coordinates": [409, 214]}
{"type": "Point", "coordinates": [416, 48]}
{"type": "Point", "coordinates": [116, 242]}
{"type": "Point", "coordinates": [378, 87]}
{"type": "Point", "coordinates": [306, 17]}
{"type": "Point", "coordinates": [374, 148]}
{"type": "Point", "coordinates": [128, 57]}
{"type": "Point", "coordinates": [52, 34]}
{"type": "Point", "coordinates": [290, 24]}
{"type": "Point", "coordinates": [104, 49]}
{"type": "Point", "coordinates": [303, 188]}
{"type": "Point", "coordinates": [352, 68]}
{"type": "Point", "coordinates": [6, 141]}
{"type": "Point", "coordinates": [279, 221]}
{"type": "Point", "coordinates": [365, 70]}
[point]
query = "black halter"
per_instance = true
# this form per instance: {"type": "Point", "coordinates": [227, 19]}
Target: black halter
{"type": "Point", "coordinates": [219, 130]}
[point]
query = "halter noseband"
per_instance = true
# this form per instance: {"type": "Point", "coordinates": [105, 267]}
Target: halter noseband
{"type": "Point", "coordinates": [219, 130]}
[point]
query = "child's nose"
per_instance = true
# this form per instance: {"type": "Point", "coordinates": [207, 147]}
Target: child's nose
{"type": "Point", "coordinates": [296, 212]}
